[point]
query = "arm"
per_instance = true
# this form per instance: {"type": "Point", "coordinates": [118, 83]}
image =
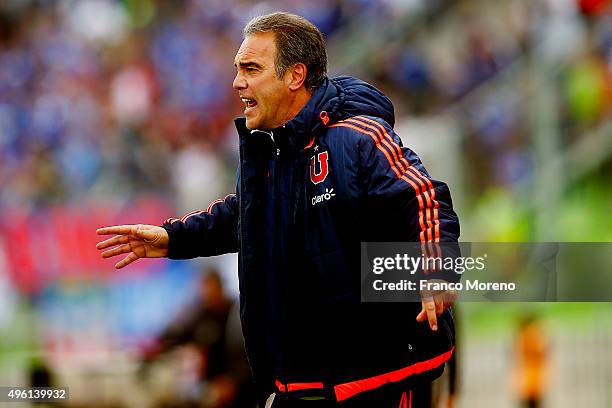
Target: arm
{"type": "Point", "coordinates": [200, 233]}
{"type": "Point", "coordinates": [396, 179]}
{"type": "Point", "coordinates": [417, 208]}
{"type": "Point", "coordinates": [205, 233]}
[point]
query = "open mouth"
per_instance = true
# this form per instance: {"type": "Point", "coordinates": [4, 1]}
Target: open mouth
{"type": "Point", "coordinates": [249, 103]}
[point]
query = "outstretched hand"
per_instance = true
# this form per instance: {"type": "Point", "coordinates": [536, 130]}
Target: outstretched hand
{"type": "Point", "coordinates": [138, 241]}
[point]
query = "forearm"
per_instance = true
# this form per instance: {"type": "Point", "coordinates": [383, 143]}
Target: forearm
{"type": "Point", "coordinates": [204, 233]}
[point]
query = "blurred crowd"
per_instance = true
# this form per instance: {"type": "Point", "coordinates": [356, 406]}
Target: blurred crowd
{"type": "Point", "coordinates": [109, 99]}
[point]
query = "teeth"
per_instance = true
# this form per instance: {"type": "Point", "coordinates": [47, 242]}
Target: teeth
{"type": "Point", "coordinates": [249, 103]}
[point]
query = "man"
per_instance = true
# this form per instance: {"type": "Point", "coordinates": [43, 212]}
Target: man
{"type": "Point", "coordinates": [321, 170]}
{"type": "Point", "coordinates": [205, 326]}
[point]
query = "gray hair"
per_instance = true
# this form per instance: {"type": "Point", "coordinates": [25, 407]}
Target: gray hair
{"type": "Point", "coordinates": [297, 41]}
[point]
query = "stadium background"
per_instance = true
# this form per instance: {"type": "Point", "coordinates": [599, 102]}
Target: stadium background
{"type": "Point", "coordinates": [121, 112]}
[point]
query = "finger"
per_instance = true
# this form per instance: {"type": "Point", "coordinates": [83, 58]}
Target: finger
{"type": "Point", "coordinates": [115, 230]}
{"type": "Point", "coordinates": [430, 308]}
{"type": "Point", "coordinates": [439, 302]}
{"type": "Point", "coordinates": [422, 316]}
{"type": "Point", "coordinates": [126, 261]}
{"type": "Point", "coordinates": [450, 298]}
{"type": "Point", "coordinates": [116, 240]}
{"type": "Point", "coordinates": [123, 249]}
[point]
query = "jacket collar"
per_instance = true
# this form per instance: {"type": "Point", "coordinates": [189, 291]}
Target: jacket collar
{"type": "Point", "coordinates": [297, 133]}
{"type": "Point", "coordinates": [334, 100]}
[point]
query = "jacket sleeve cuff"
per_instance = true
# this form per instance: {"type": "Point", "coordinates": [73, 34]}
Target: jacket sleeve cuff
{"type": "Point", "coordinates": [174, 244]}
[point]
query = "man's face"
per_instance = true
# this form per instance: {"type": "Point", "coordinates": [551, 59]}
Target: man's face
{"type": "Point", "coordinates": [266, 97]}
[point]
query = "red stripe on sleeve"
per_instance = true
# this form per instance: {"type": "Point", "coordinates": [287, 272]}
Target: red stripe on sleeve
{"type": "Point", "coordinates": [436, 223]}
{"type": "Point", "coordinates": [406, 177]}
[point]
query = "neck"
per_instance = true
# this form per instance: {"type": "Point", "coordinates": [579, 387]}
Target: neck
{"type": "Point", "coordinates": [297, 103]}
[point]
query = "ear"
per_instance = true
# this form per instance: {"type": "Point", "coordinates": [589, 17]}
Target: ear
{"type": "Point", "coordinates": [295, 76]}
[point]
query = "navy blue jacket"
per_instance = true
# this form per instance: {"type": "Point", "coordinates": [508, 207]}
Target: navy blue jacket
{"type": "Point", "coordinates": [308, 194]}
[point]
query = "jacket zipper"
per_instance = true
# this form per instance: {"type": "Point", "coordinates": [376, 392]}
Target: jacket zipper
{"type": "Point", "coordinates": [277, 247]}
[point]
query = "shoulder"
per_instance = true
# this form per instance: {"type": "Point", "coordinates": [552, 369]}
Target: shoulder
{"type": "Point", "coordinates": [362, 127]}
{"type": "Point", "coordinates": [364, 133]}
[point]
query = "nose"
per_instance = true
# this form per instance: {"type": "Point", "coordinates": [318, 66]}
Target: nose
{"type": "Point", "coordinates": [239, 82]}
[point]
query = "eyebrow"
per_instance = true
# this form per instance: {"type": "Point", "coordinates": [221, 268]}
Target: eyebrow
{"type": "Point", "coordinates": [247, 64]}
